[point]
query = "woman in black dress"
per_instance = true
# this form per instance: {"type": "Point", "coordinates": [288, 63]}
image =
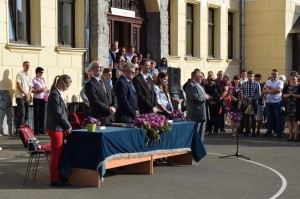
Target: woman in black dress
{"type": "Point", "coordinates": [290, 94]}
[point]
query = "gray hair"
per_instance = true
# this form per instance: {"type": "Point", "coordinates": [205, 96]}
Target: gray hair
{"type": "Point", "coordinates": [128, 66]}
{"type": "Point", "coordinates": [94, 64]}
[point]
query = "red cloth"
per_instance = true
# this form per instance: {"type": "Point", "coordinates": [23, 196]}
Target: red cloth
{"type": "Point", "coordinates": [57, 142]}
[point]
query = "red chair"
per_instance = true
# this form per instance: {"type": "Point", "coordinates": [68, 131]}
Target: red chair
{"type": "Point", "coordinates": [34, 149]}
{"type": "Point", "coordinates": [75, 125]}
{"type": "Point", "coordinates": [79, 117]}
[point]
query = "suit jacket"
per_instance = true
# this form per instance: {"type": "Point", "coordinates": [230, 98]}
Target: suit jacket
{"type": "Point", "coordinates": [57, 114]}
{"type": "Point", "coordinates": [146, 98]}
{"type": "Point", "coordinates": [99, 100]}
{"type": "Point", "coordinates": [195, 102]}
{"type": "Point", "coordinates": [127, 100]}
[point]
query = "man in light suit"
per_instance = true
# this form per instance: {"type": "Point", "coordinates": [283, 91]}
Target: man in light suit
{"type": "Point", "coordinates": [195, 100]}
{"type": "Point", "coordinates": [102, 100]}
{"type": "Point", "coordinates": [145, 89]}
{"type": "Point", "coordinates": [126, 95]}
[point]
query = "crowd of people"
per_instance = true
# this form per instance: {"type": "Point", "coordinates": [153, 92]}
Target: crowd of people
{"type": "Point", "coordinates": [249, 103]}
{"type": "Point", "coordinates": [133, 85]}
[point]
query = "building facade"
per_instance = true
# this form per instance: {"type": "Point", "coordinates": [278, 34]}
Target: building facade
{"type": "Point", "coordinates": [63, 36]}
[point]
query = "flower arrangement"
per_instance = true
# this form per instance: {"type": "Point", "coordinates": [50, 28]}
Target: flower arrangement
{"type": "Point", "coordinates": [153, 125]}
{"type": "Point", "coordinates": [178, 115]}
{"type": "Point", "coordinates": [91, 120]}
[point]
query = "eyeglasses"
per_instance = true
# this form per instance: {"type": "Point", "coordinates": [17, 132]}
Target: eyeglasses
{"type": "Point", "coordinates": [131, 72]}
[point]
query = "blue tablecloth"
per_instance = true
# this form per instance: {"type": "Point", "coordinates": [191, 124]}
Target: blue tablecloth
{"type": "Point", "coordinates": [91, 150]}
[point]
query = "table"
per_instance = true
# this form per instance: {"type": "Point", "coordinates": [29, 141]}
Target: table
{"type": "Point", "coordinates": [87, 153]}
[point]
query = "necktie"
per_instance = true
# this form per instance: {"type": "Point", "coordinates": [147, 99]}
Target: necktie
{"type": "Point", "coordinates": [149, 83]}
{"type": "Point", "coordinates": [103, 86]}
{"type": "Point", "coordinates": [132, 86]}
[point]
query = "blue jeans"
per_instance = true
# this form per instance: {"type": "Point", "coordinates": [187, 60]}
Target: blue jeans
{"type": "Point", "coordinates": [274, 118]}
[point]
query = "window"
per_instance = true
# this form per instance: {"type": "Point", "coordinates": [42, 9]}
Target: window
{"type": "Point", "coordinates": [189, 30]}
{"type": "Point", "coordinates": [211, 33]}
{"type": "Point", "coordinates": [19, 21]}
{"type": "Point", "coordinates": [230, 35]}
{"type": "Point", "coordinates": [66, 22]}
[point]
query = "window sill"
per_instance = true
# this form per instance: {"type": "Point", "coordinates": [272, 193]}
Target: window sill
{"type": "Point", "coordinates": [188, 58]}
{"type": "Point", "coordinates": [214, 60]}
{"type": "Point", "coordinates": [24, 48]}
{"type": "Point", "coordinates": [68, 50]}
{"type": "Point", "coordinates": [174, 57]}
{"type": "Point", "coordinates": [233, 60]}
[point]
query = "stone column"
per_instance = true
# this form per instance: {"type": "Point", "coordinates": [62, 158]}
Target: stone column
{"type": "Point", "coordinates": [99, 31]}
{"type": "Point", "coordinates": [164, 29]}
{"type": "Point", "coordinates": [158, 32]}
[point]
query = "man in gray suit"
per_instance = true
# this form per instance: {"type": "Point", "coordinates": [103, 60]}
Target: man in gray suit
{"type": "Point", "coordinates": [195, 101]}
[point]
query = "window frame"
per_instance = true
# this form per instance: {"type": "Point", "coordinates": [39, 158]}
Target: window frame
{"type": "Point", "coordinates": [211, 25]}
{"type": "Point", "coordinates": [60, 24]}
{"type": "Point", "coordinates": [190, 22]}
{"type": "Point", "coordinates": [12, 6]}
{"type": "Point", "coordinates": [230, 35]}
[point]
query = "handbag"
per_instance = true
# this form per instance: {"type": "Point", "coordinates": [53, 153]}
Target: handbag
{"type": "Point", "coordinates": [46, 96]}
{"type": "Point", "coordinates": [249, 110]}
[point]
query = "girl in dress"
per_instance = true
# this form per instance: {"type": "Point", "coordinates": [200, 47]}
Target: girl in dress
{"type": "Point", "coordinates": [235, 92]}
{"type": "Point", "coordinates": [290, 93]}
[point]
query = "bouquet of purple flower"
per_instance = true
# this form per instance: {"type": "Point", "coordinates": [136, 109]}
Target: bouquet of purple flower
{"type": "Point", "coordinates": [178, 115]}
{"type": "Point", "coordinates": [153, 125]}
{"type": "Point", "coordinates": [91, 120]}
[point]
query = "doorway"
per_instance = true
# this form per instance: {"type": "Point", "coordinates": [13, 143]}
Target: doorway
{"type": "Point", "coordinates": [122, 33]}
{"type": "Point", "coordinates": [126, 30]}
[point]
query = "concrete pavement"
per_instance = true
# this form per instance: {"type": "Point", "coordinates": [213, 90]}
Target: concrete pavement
{"type": "Point", "coordinates": [274, 169]}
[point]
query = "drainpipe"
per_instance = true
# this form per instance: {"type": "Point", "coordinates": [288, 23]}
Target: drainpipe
{"type": "Point", "coordinates": [242, 34]}
{"type": "Point", "coordinates": [87, 34]}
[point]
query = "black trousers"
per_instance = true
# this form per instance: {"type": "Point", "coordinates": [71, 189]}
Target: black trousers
{"type": "Point", "coordinates": [213, 122]}
{"type": "Point", "coordinates": [23, 108]}
{"type": "Point", "coordinates": [39, 115]}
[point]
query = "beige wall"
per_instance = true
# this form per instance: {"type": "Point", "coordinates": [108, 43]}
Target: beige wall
{"type": "Point", "coordinates": [44, 50]}
{"type": "Point", "coordinates": [200, 58]}
{"type": "Point", "coordinates": [267, 41]}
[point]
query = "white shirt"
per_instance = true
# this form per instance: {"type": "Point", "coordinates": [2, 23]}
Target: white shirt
{"type": "Point", "coordinates": [26, 82]}
{"type": "Point", "coordinates": [277, 97]}
{"type": "Point", "coordinates": [162, 98]}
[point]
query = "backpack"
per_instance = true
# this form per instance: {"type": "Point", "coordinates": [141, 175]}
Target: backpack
{"type": "Point", "coordinates": [28, 138]}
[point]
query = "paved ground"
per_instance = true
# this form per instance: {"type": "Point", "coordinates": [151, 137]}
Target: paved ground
{"type": "Point", "coordinates": [213, 178]}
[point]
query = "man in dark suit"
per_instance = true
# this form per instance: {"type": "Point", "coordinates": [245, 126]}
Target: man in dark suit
{"type": "Point", "coordinates": [195, 101]}
{"type": "Point", "coordinates": [126, 95]}
{"type": "Point", "coordinates": [102, 100]}
{"type": "Point", "coordinates": [145, 89]}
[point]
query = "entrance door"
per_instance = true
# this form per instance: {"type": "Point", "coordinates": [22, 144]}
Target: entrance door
{"type": "Point", "coordinates": [122, 33]}
{"type": "Point", "coordinates": [125, 30]}
{"type": "Point", "coordinates": [296, 52]}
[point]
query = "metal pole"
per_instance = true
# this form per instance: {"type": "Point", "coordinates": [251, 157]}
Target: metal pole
{"type": "Point", "coordinates": [242, 34]}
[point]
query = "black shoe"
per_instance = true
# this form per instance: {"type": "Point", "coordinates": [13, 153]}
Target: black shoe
{"type": "Point", "coordinates": [267, 135]}
{"type": "Point", "coordinates": [253, 135]}
{"type": "Point", "coordinates": [257, 132]}
{"type": "Point", "coordinates": [222, 130]}
{"type": "Point", "coordinates": [58, 183]}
